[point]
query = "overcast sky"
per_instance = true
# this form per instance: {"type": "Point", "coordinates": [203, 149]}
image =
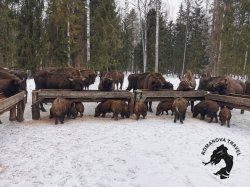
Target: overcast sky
{"type": "Point", "coordinates": [172, 6]}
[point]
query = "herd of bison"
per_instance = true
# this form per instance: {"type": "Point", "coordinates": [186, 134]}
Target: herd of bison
{"type": "Point", "coordinates": [14, 81]}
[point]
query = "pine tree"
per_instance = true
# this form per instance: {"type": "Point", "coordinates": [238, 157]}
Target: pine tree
{"type": "Point", "coordinates": [29, 34]}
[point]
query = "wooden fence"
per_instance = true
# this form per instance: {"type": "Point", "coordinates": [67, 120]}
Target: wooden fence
{"type": "Point", "coordinates": [44, 96]}
{"type": "Point", "coordinates": [15, 104]}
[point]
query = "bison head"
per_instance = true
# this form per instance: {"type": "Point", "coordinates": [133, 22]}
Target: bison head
{"type": "Point", "coordinates": [167, 85]}
{"type": "Point", "coordinates": [77, 83]}
{"type": "Point", "coordinates": [155, 85]}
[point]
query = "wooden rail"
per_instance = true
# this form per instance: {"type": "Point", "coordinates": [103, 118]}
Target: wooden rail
{"type": "Point", "coordinates": [41, 96]}
{"type": "Point", "coordinates": [234, 101]}
{"type": "Point", "coordinates": [15, 104]}
{"type": "Point", "coordinates": [161, 95]}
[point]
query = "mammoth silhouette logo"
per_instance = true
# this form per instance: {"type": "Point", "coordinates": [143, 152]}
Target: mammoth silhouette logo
{"type": "Point", "coordinates": [220, 153]}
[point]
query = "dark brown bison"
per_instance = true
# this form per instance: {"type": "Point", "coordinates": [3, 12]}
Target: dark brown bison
{"type": "Point", "coordinates": [79, 108]}
{"type": "Point", "coordinates": [10, 84]}
{"type": "Point", "coordinates": [60, 108]}
{"type": "Point", "coordinates": [140, 108]}
{"type": "Point", "coordinates": [89, 76]}
{"type": "Point", "coordinates": [136, 81]}
{"type": "Point", "coordinates": [225, 116]}
{"type": "Point", "coordinates": [59, 78]}
{"type": "Point", "coordinates": [103, 108]}
{"type": "Point", "coordinates": [121, 79]}
{"type": "Point", "coordinates": [180, 107]}
{"type": "Point", "coordinates": [117, 78]}
{"type": "Point", "coordinates": [206, 107]}
{"type": "Point", "coordinates": [155, 82]}
{"type": "Point", "coordinates": [164, 106]}
{"type": "Point", "coordinates": [119, 107]}
{"type": "Point", "coordinates": [106, 84]}
{"type": "Point", "coordinates": [187, 82]}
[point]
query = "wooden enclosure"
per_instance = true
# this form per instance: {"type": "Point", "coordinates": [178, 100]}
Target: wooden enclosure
{"type": "Point", "coordinates": [162, 95]}
{"type": "Point", "coordinates": [15, 104]}
{"type": "Point", "coordinates": [46, 96]}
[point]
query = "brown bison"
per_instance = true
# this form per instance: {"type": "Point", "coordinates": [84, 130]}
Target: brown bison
{"type": "Point", "coordinates": [115, 106]}
{"type": "Point", "coordinates": [225, 116]}
{"type": "Point", "coordinates": [136, 81]}
{"type": "Point", "coordinates": [10, 84]}
{"type": "Point", "coordinates": [103, 108]}
{"type": "Point", "coordinates": [60, 108]}
{"type": "Point", "coordinates": [59, 78]}
{"type": "Point", "coordinates": [164, 106]}
{"type": "Point", "coordinates": [89, 76]}
{"type": "Point", "coordinates": [117, 78]}
{"type": "Point", "coordinates": [187, 82]}
{"type": "Point", "coordinates": [79, 108]}
{"type": "Point", "coordinates": [207, 107]}
{"type": "Point", "coordinates": [106, 84]}
{"type": "Point", "coordinates": [119, 107]}
{"type": "Point", "coordinates": [155, 82]}
{"type": "Point", "coordinates": [180, 107]}
{"type": "Point", "coordinates": [140, 108]}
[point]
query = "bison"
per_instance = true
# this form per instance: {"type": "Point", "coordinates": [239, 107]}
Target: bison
{"type": "Point", "coordinates": [79, 108]}
{"type": "Point", "coordinates": [119, 107]}
{"type": "Point", "coordinates": [10, 84]}
{"type": "Point", "coordinates": [59, 78]}
{"type": "Point", "coordinates": [103, 108]}
{"type": "Point", "coordinates": [164, 106]}
{"type": "Point", "coordinates": [140, 108]}
{"type": "Point", "coordinates": [180, 107]}
{"type": "Point", "coordinates": [117, 78]}
{"type": "Point", "coordinates": [225, 115]}
{"type": "Point", "coordinates": [206, 107]}
{"type": "Point", "coordinates": [60, 108]}
{"type": "Point", "coordinates": [106, 84]}
{"type": "Point", "coordinates": [89, 76]}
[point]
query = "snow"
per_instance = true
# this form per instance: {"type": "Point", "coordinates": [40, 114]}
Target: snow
{"type": "Point", "coordinates": [102, 152]}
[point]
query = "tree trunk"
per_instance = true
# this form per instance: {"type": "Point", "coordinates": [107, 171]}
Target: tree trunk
{"type": "Point", "coordinates": [157, 37]}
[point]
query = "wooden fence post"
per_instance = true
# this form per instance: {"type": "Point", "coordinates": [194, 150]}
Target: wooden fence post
{"type": "Point", "coordinates": [35, 106]}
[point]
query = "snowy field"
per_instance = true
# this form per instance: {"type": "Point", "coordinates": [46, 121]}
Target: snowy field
{"type": "Point", "coordinates": [101, 152]}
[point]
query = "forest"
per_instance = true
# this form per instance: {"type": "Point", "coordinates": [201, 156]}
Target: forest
{"type": "Point", "coordinates": [207, 36]}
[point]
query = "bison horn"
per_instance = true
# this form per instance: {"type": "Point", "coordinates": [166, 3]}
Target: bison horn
{"type": "Point", "coordinates": [70, 79]}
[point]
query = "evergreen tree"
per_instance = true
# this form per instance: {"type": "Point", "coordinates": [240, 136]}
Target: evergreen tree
{"type": "Point", "coordinates": [105, 35]}
{"type": "Point", "coordinates": [29, 34]}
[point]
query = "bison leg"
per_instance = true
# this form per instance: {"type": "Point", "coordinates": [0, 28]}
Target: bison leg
{"type": "Point", "coordinates": [121, 83]}
{"type": "Point", "coordinates": [175, 117]}
{"type": "Point", "coordinates": [0, 122]}
{"type": "Point", "coordinates": [242, 111]}
{"type": "Point", "coordinates": [137, 116]}
{"type": "Point", "coordinates": [150, 106]}
{"type": "Point", "coordinates": [216, 118]}
{"type": "Point", "coordinates": [42, 108]}
{"type": "Point", "coordinates": [115, 116]}
{"type": "Point", "coordinates": [228, 124]}
{"type": "Point", "coordinates": [61, 118]}
{"type": "Point", "coordinates": [192, 106]}
{"type": "Point", "coordinates": [56, 120]}
{"type": "Point", "coordinates": [81, 114]}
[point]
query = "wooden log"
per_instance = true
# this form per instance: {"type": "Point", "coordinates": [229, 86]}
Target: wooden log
{"type": "Point", "coordinates": [8, 103]}
{"type": "Point", "coordinates": [20, 110]}
{"type": "Point", "coordinates": [12, 116]}
{"type": "Point", "coordinates": [161, 95]}
{"type": "Point", "coordinates": [35, 110]}
{"type": "Point", "coordinates": [232, 101]}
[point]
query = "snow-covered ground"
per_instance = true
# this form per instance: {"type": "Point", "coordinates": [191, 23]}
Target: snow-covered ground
{"type": "Point", "coordinates": [102, 152]}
